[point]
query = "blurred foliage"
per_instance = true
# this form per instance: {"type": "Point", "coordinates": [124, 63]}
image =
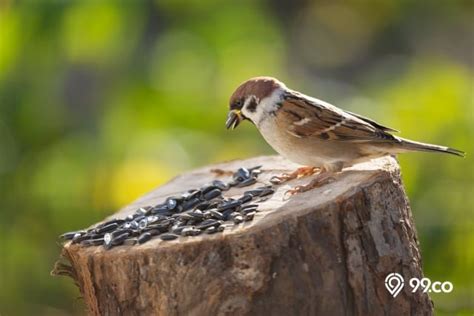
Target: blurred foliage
{"type": "Point", "coordinates": [102, 101]}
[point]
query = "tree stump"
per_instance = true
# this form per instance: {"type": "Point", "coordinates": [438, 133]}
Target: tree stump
{"type": "Point", "coordinates": [323, 252]}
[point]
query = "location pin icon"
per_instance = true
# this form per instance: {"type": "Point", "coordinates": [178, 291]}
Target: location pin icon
{"type": "Point", "coordinates": [394, 283]}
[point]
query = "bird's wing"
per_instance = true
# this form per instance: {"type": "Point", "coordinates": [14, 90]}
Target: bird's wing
{"type": "Point", "coordinates": [373, 123]}
{"type": "Point", "coordinates": [308, 117]}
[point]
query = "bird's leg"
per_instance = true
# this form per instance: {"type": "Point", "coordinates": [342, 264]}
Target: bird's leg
{"type": "Point", "coordinates": [324, 177]}
{"type": "Point", "coordinates": [298, 173]}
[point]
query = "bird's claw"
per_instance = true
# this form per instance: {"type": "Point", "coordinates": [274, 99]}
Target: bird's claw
{"type": "Point", "coordinates": [315, 183]}
{"type": "Point", "coordinates": [297, 174]}
{"type": "Point", "coordinates": [289, 193]}
{"type": "Point", "coordinates": [280, 179]}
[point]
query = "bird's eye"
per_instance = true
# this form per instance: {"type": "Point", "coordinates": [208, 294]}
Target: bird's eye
{"type": "Point", "coordinates": [238, 104]}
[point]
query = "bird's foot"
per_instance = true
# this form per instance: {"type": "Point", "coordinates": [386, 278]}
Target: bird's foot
{"type": "Point", "coordinates": [321, 179]}
{"type": "Point", "coordinates": [298, 173]}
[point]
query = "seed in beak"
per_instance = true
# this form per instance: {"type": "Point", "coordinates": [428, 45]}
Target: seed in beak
{"type": "Point", "coordinates": [233, 119]}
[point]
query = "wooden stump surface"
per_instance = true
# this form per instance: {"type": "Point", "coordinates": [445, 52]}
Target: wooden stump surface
{"type": "Point", "coordinates": [322, 252]}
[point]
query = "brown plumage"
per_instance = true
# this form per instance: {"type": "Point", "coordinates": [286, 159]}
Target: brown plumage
{"type": "Point", "coordinates": [312, 132]}
{"type": "Point", "coordinates": [259, 87]}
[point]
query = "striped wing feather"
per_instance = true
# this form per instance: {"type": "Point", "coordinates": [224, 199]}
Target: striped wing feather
{"type": "Point", "coordinates": [304, 117]}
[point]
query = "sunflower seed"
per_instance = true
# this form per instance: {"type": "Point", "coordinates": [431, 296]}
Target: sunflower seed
{"type": "Point", "coordinates": [189, 204]}
{"type": "Point", "coordinates": [212, 194]}
{"type": "Point", "coordinates": [141, 211]}
{"type": "Point", "coordinates": [69, 235]}
{"type": "Point", "coordinates": [177, 229]}
{"type": "Point", "coordinates": [119, 239]}
{"type": "Point", "coordinates": [190, 231]}
{"type": "Point", "coordinates": [197, 214]}
{"type": "Point", "coordinates": [238, 219]}
{"type": "Point", "coordinates": [266, 192]}
{"type": "Point", "coordinates": [138, 218]}
{"type": "Point", "coordinates": [208, 223]}
{"type": "Point", "coordinates": [246, 198]}
{"type": "Point", "coordinates": [220, 185]}
{"type": "Point", "coordinates": [114, 221]}
{"type": "Point", "coordinates": [248, 210]}
{"type": "Point", "coordinates": [92, 242]}
{"type": "Point", "coordinates": [130, 241]}
{"type": "Point", "coordinates": [193, 194]}
{"type": "Point", "coordinates": [185, 217]}
{"type": "Point", "coordinates": [211, 230]}
{"type": "Point", "coordinates": [171, 203]}
{"type": "Point", "coordinates": [162, 210]}
{"type": "Point", "coordinates": [216, 214]}
{"type": "Point", "coordinates": [226, 214]}
{"type": "Point", "coordinates": [205, 208]}
{"type": "Point", "coordinates": [154, 232]}
{"type": "Point", "coordinates": [229, 205]}
{"type": "Point", "coordinates": [255, 173]}
{"type": "Point", "coordinates": [250, 207]}
{"type": "Point", "coordinates": [241, 174]}
{"type": "Point", "coordinates": [119, 232]}
{"type": "Point", "coordinates": [134, 225]}
{"type": "Point", "coordinates": [168, 236]}
{"type": "Point", "coordinates": [246, 182]}
{"type": "Point", "coordinates": [153, 219]}
{"type": "Point", "coordinates": [143, 223]}
{"type": "Point", "coordinates": [107, 238]}
{"type": "Point", "coordinates": [249, 216]}
{"type": "Point", "coordinates": [144, 238]}
{"type": "Point", "coordinates": [208, 188]}
{"type": "Point", "coordinates": [80, 237]}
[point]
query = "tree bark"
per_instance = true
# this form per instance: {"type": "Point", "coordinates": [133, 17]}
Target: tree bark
{"type": "Point", "coordinates": [323, 252]}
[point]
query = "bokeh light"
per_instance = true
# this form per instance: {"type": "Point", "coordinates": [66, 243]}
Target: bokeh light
{"type": "Point", "coordinates": [101, 102]}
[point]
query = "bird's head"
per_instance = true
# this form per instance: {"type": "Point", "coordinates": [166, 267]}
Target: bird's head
{"type": "Point", "coordinates": [254, 99]}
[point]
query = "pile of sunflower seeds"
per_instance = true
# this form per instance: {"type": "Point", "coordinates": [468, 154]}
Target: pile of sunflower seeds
{"type": "Point", "coordinates": [198, 211]}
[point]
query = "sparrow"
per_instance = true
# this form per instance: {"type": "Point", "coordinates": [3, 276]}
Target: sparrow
{"type": "Point", "coordinates": [313, 133]}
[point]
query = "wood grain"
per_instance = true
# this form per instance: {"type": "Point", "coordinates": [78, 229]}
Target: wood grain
{"type": "Point", "coordinates": [322, 252]}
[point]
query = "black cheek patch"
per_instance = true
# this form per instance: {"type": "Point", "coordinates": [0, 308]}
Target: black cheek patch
{"type": "Point", "coordinates": [252, 106]}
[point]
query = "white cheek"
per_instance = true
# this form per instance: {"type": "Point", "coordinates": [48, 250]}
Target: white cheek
{"type": "Point", "coordinates": [266, 106]}
{"type": "Point", "coordinates": [254, 116]}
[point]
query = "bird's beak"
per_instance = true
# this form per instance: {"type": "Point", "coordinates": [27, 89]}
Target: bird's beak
{"type": "Point", "coordinates": [233, 119]}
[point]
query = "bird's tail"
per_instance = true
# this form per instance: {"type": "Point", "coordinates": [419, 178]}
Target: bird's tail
{"type": "Point", "coordinates": [410, 145]}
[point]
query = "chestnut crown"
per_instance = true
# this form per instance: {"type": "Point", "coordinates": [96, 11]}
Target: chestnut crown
{"type": "Point", "coordinates": [257, 88]}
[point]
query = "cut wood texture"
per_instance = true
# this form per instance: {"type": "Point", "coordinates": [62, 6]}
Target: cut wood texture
{"type": "Point", "coordinates": [323, 252]}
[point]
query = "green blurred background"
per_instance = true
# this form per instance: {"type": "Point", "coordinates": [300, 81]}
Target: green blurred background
{"type": "Point", "coordinates": [102, 101]}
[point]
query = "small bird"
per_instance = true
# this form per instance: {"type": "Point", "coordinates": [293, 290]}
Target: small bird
{"type": "Point", "coordinates": [314, 133]}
